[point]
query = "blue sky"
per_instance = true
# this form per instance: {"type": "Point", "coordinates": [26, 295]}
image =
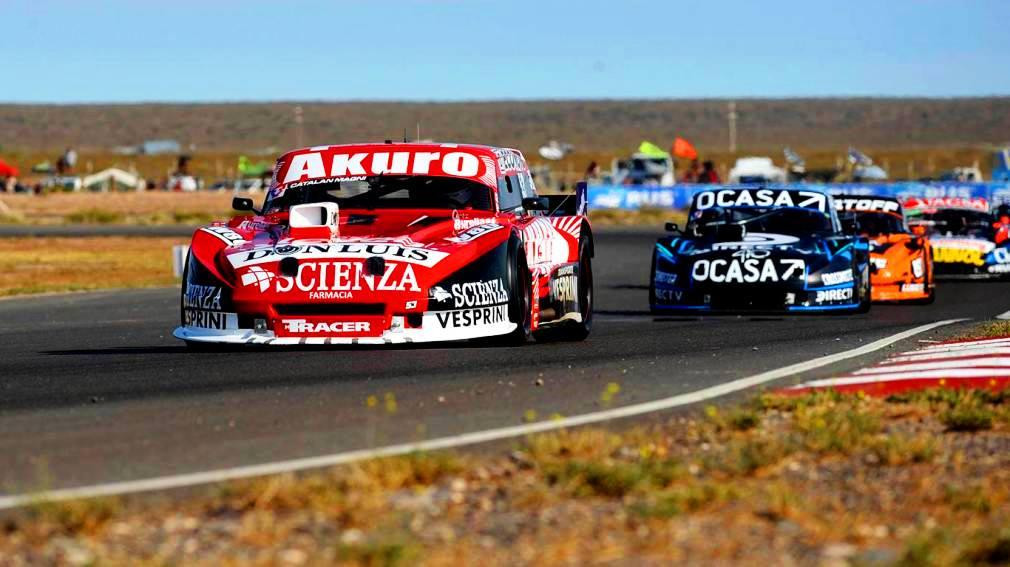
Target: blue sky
{"type": "Point", "coordinates": [187, 50]}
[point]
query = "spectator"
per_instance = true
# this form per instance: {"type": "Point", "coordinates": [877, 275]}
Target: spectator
{"type": "Point", "coordinates": [593, 171]}
{"type": "Point", "coordinates": [182, 180]}
{"type": "Point", "coordinates": [708, 173]}
{"type": "Point", "coordinates": [70, 158]}
{"type": "Point", "coordinates": [691, 175]}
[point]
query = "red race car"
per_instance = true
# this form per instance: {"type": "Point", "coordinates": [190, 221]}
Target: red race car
{"type": "Point", "coordinates": [393, 243]}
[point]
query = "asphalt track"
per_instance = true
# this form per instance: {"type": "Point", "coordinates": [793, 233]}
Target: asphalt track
{"type": "Point", "coordinates": [94, 389]}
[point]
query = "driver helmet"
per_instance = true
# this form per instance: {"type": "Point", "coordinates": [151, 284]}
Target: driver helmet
{"type": "Point", "coordinates": [316, 193]}
{"type": "Point", "coordinates": [1003, 213]}
{"type": "Point", "coordinates": [461, 197]}
{"type": "Point", "coordinates": [705, 216]}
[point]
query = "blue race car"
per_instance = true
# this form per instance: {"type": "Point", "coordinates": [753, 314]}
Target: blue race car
{"type": "Point", "coordinates": [760, 250]}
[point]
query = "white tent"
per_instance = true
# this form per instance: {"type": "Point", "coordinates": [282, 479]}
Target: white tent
{"type": "Point", "coordinates": [756, 170]}
{"type": "Point", "coordinates": [108, 179]}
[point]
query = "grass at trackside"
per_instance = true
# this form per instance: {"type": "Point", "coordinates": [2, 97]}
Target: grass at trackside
{"type": "Point", "coordinates": [921, 479]}
{"type": "Point", "coordinates": [987, 330]}
{"type": "Point", "coordinates": [102, 216]}
{"type": "Point", "coordinates": [136, 208]}
{"type": "Point", "coordinates": [643, 217]}
{"type": "Point", "coordinates": [38, 265]}
{"type": "Point", "coordinates": [159, 208]}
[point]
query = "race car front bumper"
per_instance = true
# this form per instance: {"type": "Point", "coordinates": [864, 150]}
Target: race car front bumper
{"type": "Point", "coordinates": [911, 291]}
{"type": "Point", "coordinates": [756, 300]}
{"type": "Point", "coordinates": [431, 330]}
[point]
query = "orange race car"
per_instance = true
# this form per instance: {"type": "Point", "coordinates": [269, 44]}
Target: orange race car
{"type": "Point", "coordinates": [901, 262]}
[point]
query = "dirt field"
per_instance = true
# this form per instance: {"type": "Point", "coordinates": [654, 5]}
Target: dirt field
{"type": "Point", "coordinates": [155, 207]}
{"type": "Point", "coordinates": [901, 162]}
{"type": "Point", "coordinates": [149, 207]}
{"type": "Point", "coordinates": [37, 265]}
{"type": "Point", "coordinates": [591, 125]}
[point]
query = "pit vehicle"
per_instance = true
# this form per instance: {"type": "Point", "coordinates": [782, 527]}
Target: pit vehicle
{"type": "Point", "coordinates": [760, 250]}
{"type": "Point", "coordinates": [901, 263]}
{"type": "Point", "coordinates": [393, 243]}
{"type": "Point", "coordinates": [963, 234]}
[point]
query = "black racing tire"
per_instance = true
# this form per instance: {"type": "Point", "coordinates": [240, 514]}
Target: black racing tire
{"type": "Point", "coordinates": [578, 331]}
{"type": "Point", "coordinates": [867, 300]}
{"type": "Point", "coordinates": [929, 299]}
{"type": "Point", "coordinates": [200, 346]}
{"type": "Point", "coordinates": [520, 296]}
{"type": "Point", "coordinates": [652, 282]}
{"type": "Point", "coordinates": [182, 290]}
{"type": "Point", "coordinates": [192, 346]}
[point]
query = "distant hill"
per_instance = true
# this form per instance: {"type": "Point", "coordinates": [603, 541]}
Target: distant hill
{"type": "Point", "coordinates": [598, 125]}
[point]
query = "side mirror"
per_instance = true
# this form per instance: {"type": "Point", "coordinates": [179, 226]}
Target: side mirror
{"type": "Point", "coordinates": [672, 227]}
{"type": "Point", "coordinates": [243, 204]}
{"type": "Point", "coordinates": [536, 204]}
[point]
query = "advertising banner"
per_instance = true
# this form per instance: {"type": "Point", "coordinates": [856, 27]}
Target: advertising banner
{"type": "Point", "coordinates": [634, 197]}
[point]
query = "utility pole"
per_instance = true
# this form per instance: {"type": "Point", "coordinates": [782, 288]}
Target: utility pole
{"type": "Point", "coordinates": [298, 127]}
{"type": "Point", "coordinates": [731, 116]}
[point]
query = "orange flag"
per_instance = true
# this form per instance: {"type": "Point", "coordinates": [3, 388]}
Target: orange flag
{"type": "Point", "coordinates": [683, 149]}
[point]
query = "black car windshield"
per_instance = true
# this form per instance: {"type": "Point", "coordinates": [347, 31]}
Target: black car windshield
{"type": "Point", "coordinates": [959, 222]}
{"type": "Point", "coordinates": [792, 221]}
{"type": "Point", "coordinates": [874, 224]}
{"type": "Point", "coordinates": [389, 192]}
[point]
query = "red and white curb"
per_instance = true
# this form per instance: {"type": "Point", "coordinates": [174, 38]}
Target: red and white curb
{"type": "Point", "coordinates": [957, 364]}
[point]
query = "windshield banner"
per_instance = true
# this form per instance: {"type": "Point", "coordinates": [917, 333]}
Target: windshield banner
{"type": "Point", "coordinates": [867, 204]}
{"type": "Point", "coordinates": [340, 163]}
{"type": "Point", "coordinates": [634, 197]}
{"type": "Point", "coordinates": [729, 198]}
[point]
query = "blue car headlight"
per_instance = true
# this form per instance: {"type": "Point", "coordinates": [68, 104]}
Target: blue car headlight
{"type": "Point", "coordinates": [666, 267]}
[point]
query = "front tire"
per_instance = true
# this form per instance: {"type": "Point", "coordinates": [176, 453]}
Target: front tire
{"type": "Point", "coordinates": [867, 300]}
{"type": "Point", "coordinates": [578, 331]}
{"type": "Point", "coordinates": [182, 291]}
{"type": "Point", "coordinates": [520, 297]}
{"type": "Point", "coordinates": [652, 283]}
{"type": "Point", "coordinates": [929, 299]}
{"type": "Point", "coordinates": [201, 346]}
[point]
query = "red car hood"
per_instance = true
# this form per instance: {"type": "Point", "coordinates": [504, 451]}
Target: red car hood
{"type": "Point", "coordinates": [433, 244]}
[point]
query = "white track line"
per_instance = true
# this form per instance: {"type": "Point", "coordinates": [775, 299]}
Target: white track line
{"type": "Point", "coordinates": [901, 376]}
{"type": "Point", "coordinates": [983, 343]}
{"type": "Point", "coordinates": [975, 362]}
{"type": "Point", "coordinates": [956, 350]}
{"type": "Point", "coordinates": [294, 465]}
{"type": "Point", "coordinates": [992, 351]}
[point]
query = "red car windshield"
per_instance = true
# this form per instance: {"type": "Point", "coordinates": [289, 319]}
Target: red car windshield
{"type": "Point", "coordinates": [389, 192]}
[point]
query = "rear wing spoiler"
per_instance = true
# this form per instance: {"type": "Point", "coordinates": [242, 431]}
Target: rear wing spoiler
{"type": "Point", "coordinates": [569, 205]}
